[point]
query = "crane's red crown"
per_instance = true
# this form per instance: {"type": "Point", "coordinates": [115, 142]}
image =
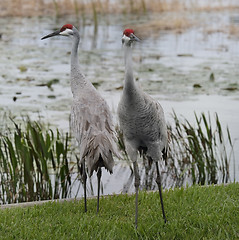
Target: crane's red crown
{"type": "Point", "coordinates": [128, 31]}
{"type": "Point", "coordinates": [69, 26]}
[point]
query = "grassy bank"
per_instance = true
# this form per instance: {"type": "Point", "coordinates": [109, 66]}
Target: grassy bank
{"type": "Point", "coordinates": [193, 213]}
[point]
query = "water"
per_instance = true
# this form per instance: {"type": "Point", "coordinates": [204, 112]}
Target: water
{"type": "Point", "coordinates": [167, 65]}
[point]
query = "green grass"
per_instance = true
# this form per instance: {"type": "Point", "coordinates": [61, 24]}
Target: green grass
{"type": "Point", "coordinates": [193, 213]}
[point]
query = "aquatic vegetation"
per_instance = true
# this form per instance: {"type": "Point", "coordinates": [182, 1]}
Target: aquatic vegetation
{"type": "Point", "coordinates": [197, 154]}
{"type": "Point", "coordinates": [22, 68]}
{"type": "Point", "coordinates": [34, 164]}
{"type": "Point", "coordinates": [201, 153]}
{"type": "Point", "coordinates": [49, 83]}
{"type": "Point", "coordinates": [62, 7]}
{"type": "Point", "coordinates": [38, 163]}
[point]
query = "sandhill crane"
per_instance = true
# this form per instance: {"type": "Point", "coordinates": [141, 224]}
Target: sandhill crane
{"type": "Point", "coordinates": [91, 118]}
{"type": "Point", "coordinates": [141, 120]}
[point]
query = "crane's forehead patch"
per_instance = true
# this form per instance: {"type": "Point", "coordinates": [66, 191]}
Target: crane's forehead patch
{"type": "Point", "coordinates": [128, 31]}
{"type": "Point", "coordinates": [66, 26]}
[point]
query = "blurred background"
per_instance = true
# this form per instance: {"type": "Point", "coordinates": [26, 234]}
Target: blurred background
{"type": "Point", "coordinates": [188, 58]}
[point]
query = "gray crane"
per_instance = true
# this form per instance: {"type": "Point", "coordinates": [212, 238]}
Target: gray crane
{"type": "Point", "coordinates": [142, 122]}
{"type": "Point", "coordinates": [91, 118]}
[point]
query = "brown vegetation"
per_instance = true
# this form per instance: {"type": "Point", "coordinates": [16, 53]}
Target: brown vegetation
{"type": "Point", "coordinates": [63, 7]}
{"type": "Point", "coordinates": [172, 15]}
{"type": "Point", "coordinates": [175, 22]}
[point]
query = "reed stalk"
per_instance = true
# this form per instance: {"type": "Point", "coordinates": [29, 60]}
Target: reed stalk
{"type": "Point", "coordinates": [197, 154]}
{"type": "Point", "coordinates": [34, 164]}
{"type": "Point", "coordinates": [56, 8]}
{"type": "Point", "coordinates": [95, 16]}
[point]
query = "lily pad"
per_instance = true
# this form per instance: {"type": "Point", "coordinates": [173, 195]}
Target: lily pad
{"type": "Point", "coordinates": [212, 77]}
{"type": "Point", "coordinates": [197, 85]}
{"type": "Point", "coordinates": [185, 55]}
{"type": "Point", "coordinates": [230, 89]}
{"type": "Point", "coordinates": [51, 96]}
{"type": "Point", "coordinates": [49, 83]}
{"type": "Point", "coordinates": [22, 68]}
{"type": "Point", "coordinates": [119, 88]}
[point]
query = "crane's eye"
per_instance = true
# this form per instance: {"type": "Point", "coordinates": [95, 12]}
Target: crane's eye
{"type": "Point", "coordinates": [123, 40]}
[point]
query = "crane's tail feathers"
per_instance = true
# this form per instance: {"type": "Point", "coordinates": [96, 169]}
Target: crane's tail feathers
{"type": "Point", "coordinates": [98, 152]}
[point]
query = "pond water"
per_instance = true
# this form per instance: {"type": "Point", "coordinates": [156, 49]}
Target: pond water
{"type": "Point", "coordinates": [191, 71]}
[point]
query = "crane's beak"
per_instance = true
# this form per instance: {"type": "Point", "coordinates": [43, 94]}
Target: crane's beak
{"type": "Point", "coordinates": [51, 34]}
{"type": "Point", "coordinates": [134, 38]}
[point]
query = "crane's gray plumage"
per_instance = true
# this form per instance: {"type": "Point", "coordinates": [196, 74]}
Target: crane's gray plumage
{"type": "Point", "coordinates": [91, 118]}
{"type": "Point", "coordinates": [141, 119]}
{"type": "Point", "coordinates": [142, 122]}
{"type": "Point", "coordinates": [92, 124]}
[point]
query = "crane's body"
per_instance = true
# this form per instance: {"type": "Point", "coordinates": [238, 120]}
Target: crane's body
{"type": "Point", "coordinates": [141, 120]}
{"type": "Point", "coordinates": [93, 128]}
{"type": "Point", "coordinates": [91, 118]}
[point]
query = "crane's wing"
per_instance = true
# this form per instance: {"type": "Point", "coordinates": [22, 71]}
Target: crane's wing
{"type": "Point", "coordinates": [163, 133]}
{"type": "Point", "coordinates": [157, 122]}
{"type": "Point", "coordinates": [92, 125]}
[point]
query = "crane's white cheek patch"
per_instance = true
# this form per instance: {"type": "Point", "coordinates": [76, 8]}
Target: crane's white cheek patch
{"type": "Point", "coordinates": [66, 32]}
{"type": "Point", "coordinates": [125, 39]}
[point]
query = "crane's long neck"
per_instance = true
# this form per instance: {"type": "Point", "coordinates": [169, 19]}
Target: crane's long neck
{"type": "Point", "coordinates": [78, 80]}
{"type": "Point", "coordinates": [129, 84]}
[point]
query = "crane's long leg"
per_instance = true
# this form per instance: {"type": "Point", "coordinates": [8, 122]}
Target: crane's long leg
{"type": "Point", "coordinates": [136, 184]}
{"type": "Point", "coordinates": [99, 173]}
{"type": "Point", "coordinates": [158, 181]}
{"type": "Point", "coordinates": [84, 177]}
{"type": "Point", "coordinates": [146, 165]}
